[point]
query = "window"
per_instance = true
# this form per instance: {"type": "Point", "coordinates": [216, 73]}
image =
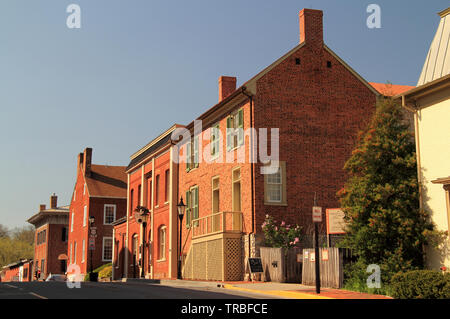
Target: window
{"type": "Point", "coordinates": [157, 191]}
{"type": "Point", "coordinates": [71, 221]}
{"type": "Point", "coordinates": [139, 195]}
{"type": "Point", "coordinates": [109, 214]}
{"type": "Point", "coordinates": [191, 205]}
{"type": "Point", "coordinates": [84, 216]}
{"type": "Point", "coordinates": [63, 266]}
{"type": "Point", "coordinates": [84, 189]}
{"type": "Point", "coordinates": [42, 266]}
{"type": "Point", "coordinates": [192, 156]}
{"type": "Point", "coordinates": [75, 194]}
{"type": "Point", "coordinates": [71, 253]}
{"type": "Point", "coordinates": [236, 188]}
{"type": "Point", "coordinates": [162, 243]}
{"type": "Point", "coordinates": [235, 130]}
{"type": "Point", "coordinates": [75, 253]}
{"type": "Point", "coordinates": [150, 194]}
{"type": "Point", "coordinates": [275, 186]}
{"type": "Point", "coordinates": [167, 181]}
{"type": "Point", "coordinates": [215, 195]}
{"type": "Point", "coordinates": [215, 141]}
{"type": "Point", "coordinates": [83, 253]}
{"type": "Point", "coordinates": [131, 201]}
{"type": "Point", "coordinates": [64, 234]}
{"type": "Point", "coordinates": [107, 249]}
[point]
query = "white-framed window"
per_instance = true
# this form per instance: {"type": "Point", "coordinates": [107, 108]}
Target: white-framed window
{"type": "Point", "coordinates": [162, 243]}
{"type": "Point", "coordinates": [191, 205]}
{"type": "Point", "coordinates": [83, 254]}
{"type": "Point", "coordinates": [274, 187]}
{"type": "Point", "coordinates": [107, 249]}
{"type": "Point", "coordinates": [71, 253]}
{"type": "Point", "coordinates": [235, 130]}
{"type": "Point", "coordinates": [71, 221]}
{"type": "Point", "coordinates": [192, 157]}
{"type": "Point", "coordinates": [84, 189]}
{"type": "Point", "coordinates": [215, 141]}
{"type": "Point", "coordinates": [109, 214]}
{"type": "Point", "coordinates": [75, 253]}
{"type": "Point", "coordinates": [85, 216]}
{"type": "Point", "coordinates": [75, 194]}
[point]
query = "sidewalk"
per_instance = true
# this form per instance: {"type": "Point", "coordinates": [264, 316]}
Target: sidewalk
{"type": "Point", "coordinates": [298, 291]}
{"type": "Point", "coordinates": [283, 290]}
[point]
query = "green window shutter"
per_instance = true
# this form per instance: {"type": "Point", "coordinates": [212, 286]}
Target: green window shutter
{"type": "Point", "coordinates": [188, 208]}
{"type": "Point", "coordinates": [196, 151]}
{"type": "Point", "coordinates": [229, 133]}
{"type": "Point", "coordinates": [195, 199]}
{"type": "Point", "coordinates": [188, 156]}
{"type": "Point", "coordinates": [240, 127]}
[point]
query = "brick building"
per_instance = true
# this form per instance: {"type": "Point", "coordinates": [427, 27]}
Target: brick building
{"type": "Point", "coordinates": [100, 192]}
{"type": "Point", "coordinates": [21, 271]}
{"type": "Point", "coordinates": [318, 103]}
{"type": "Point", "coordinates": [152, 183]}
{"type": "Point", "coordinates": [50, 244]}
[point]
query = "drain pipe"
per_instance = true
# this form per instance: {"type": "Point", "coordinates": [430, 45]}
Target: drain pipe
{"type": "Point", "coordinates": [252, 165]}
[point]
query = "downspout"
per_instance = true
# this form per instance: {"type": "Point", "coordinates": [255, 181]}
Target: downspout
{"type": "Point", "coordinates": [252, 165]}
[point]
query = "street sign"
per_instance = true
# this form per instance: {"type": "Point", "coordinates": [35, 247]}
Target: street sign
{"type": "Point", "coordinates": [91, 243]}
{"type": "Point", "coordinates": [335, 221]}
{"type": "Point", "coordinates": [317, 214]}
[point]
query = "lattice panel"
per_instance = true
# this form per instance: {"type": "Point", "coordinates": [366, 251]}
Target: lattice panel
{"type": "Point", "coordinates": [199, 259]}
{"type": "Point", "coordinates": [214, 259]}
{"type": "Point", "coordinates": [187, 269]}
{"type": "Point", "coordinates": [233, 259]}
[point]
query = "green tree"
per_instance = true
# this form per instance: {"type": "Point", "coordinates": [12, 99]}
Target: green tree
{"type": "Point", "coordinates": [381, 200]}
{"type": "Point", "coordinates": [16, 245]}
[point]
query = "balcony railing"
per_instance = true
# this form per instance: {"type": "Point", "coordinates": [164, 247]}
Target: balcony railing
{"type": "Point", "coordinates": [223, 222]}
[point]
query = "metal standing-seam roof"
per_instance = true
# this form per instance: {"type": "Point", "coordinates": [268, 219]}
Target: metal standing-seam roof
{"type": "Point", "coordinates": [437, 63]}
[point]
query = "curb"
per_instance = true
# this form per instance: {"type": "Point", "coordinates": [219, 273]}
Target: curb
{"type": "Point", "coordinates": [279, 293]}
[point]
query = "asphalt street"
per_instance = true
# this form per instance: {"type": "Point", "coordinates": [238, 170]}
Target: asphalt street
{"type": "Point", "coordinates": [117, 290]}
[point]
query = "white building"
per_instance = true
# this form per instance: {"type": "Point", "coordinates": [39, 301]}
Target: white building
{"type": "Point", "coordinates": [430, 103]}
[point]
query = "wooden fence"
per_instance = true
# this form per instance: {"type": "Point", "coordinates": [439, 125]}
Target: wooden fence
{"type": "Point", "coordinates": [331, 267]}
{"type": "Point", "coordinates": [281, 265]}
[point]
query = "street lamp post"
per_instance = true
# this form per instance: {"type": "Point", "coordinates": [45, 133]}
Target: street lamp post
{"type": "Point", "coordinates": [181, 209]}
{"type": "Point", "coordinates": [141, 216]}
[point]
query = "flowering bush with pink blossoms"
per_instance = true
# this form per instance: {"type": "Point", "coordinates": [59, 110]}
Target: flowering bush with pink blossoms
{"type": "Point", "coordinates": [280, 235]}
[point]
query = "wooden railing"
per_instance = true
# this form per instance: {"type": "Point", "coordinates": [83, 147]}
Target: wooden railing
{"type": "Point", "coordinates": [223, 222]}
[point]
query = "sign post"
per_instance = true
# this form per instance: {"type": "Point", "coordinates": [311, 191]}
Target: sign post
{"type": "Point", "coordinates": [317, 218]}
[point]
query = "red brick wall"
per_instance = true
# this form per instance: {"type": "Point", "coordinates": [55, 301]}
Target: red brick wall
{"type": "Point", "coordinates": [319, 111]}
{"type": "Point", "coordinates": [120, 250]}
{"type": "Point", "coordinates": [160, 214]}
{"type": "Point", "coordinates": [40, 251]}
{"type": "Point", "coordinates": [95, 208]}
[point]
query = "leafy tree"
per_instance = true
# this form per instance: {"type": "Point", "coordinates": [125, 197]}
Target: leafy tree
{"type": "Point", "coordinates": [16, 245]}
{"type": "Point", "coordinates": [4, 232]}
{"type": "Point", "coordinates": [381, 200]}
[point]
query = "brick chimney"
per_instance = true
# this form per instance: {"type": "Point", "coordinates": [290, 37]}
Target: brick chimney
{"type": "Point", "coordinates": [53, 201]}
{"type": "Point", "coordinates": [311, 27]}
{"type": "Point", "coordinates": [87, 160]}
{"type": "Point", "coordinates": [80, 161]}
{"type": "Point", "coordinates": [41, 207]}
{"type": "Point", "coordinates": [227, 85]}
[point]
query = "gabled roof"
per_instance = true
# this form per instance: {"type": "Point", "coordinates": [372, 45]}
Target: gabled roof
{"type": "Point", "coordinates": [107, 181]}
{"type": "Point", "coordinates": [437, 62]}
{"type": "Point", "coordinates": [388, 89]}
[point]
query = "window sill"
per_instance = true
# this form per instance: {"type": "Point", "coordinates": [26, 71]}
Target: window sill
{"type": "Point", "coordinates": [275, 204]}
{"type": "Point", "coordinates": [166, 203]}
{"type": "Point", "coordinates": [161, 260]}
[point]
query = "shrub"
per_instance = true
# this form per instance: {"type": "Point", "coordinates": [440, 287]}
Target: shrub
{"type": "Point", "coordinates": [97, 270]}
{"type": "Point", "coordinates": [421, 284]}
{"type": "Point", "coordinates": [281, 235]}
{"type": "Point", "coordinates": [355, 279]}
{"type": "Point", "coordinates": [106, 272]}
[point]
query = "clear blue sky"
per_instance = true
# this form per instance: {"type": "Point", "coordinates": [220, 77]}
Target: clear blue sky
{"type": "Point", "coordinates": [136, 67]}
